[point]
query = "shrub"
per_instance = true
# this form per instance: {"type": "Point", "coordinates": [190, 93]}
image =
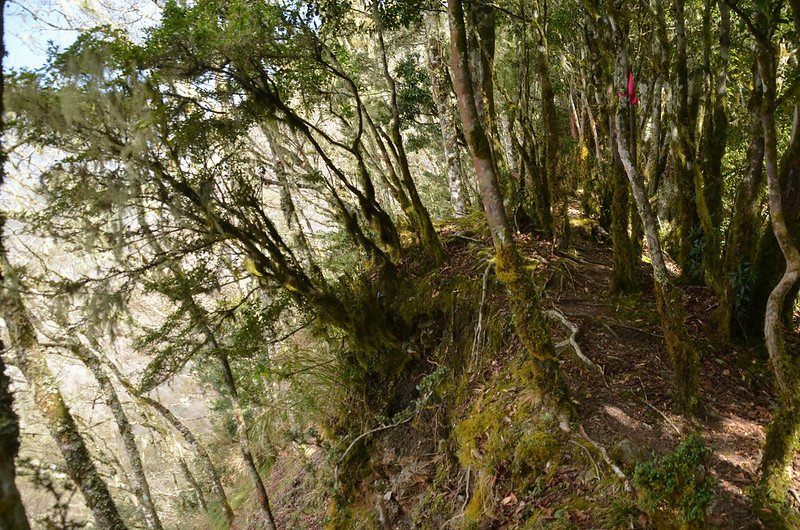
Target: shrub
{"type": "Point", "coordinates": [677, 483]}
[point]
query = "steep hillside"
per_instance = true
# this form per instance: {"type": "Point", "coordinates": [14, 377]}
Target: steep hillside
{"type": "Point", "coordinates": [463, 444]}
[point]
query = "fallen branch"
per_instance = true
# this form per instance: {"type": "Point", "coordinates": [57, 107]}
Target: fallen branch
{"type": "Point", "coordinates": [663, 416]}
{"type": "Point", "coordinates": [574, 329]}
{"type": "Point", "coordinates": [615, 468]}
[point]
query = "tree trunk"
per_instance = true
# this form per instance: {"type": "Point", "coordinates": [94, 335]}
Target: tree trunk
{"type": "Point", "coordinates": [139, 484]}
{"type": "Point", "coordinates": [740, 250]}
{"type": "Point", "coordinates": [523, 296]}
{"type": "Point", "coordinates": [187, 474]}
{"type": "Point", "coordinates": [244, 444]}
{"type": "Point", "coordinates": [557, 191]}
{"type": "Point", "coordinates": [685, 358]}
{"type": "Point", "coordinates": [47, 397]}
{"type": "Point", "coordinates": [200, 320]}
{"type": "Point", "coordinates": [12, 511]}
{"type": "Point", "coordinates": [688, 224]}
{"type": "Point", "coordinates": [440, 89]}
{"type": "Point", "coordinates": [191, 440]}
{"type": "Point", "coordinates": [428, 234]}
{"type": "Point", "coordinates": [783, 429]}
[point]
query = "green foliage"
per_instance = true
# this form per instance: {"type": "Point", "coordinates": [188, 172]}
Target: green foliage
{"type": "Point", "coordinates": [678, 483]}
{"type": "Point", "coordinates": [413, 94]}
{"type": "Point", "coordinates": [742, 281]}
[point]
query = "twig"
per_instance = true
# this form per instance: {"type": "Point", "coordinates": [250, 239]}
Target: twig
{"type": "Point", "coordinates": [663, 416]}
{"type": "Point", "coordinates": [466, 491]}
{"type": "Point", "coordinates": [376, 429]}
{"type": "Point", "coordinates": [574, 329]}
{"type": "Point", "coordinates": [479, 327]}
{"type": "Point", "coordinates": [467, 238]}
{"type": "Point", "coordinates": [615, 468]}
{"type": "Point", "coordinates": [589, 453]}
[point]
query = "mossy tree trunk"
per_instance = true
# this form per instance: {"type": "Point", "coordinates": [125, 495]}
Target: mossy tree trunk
{"type": "Point", "coordinates": [740, 249]}
{"type": "Point", "coordinates": [622, 276]}
{"type": "Point", "coordinates": [556, 189]}
{"type": "Point", "coordinates": [526, 311]}
{"type": "Point", "coordinates": [48, 400]}
{"type": "Point", "coordinates": [685, 358]}
{"type": "Point", "coordinates": [200, 320]}
{"type": "Point", "coordinates": [682, 155]}
{"type": "Point", "coordinates": [783, 430]}
{"type": "Point", "coordinates": [430, 238]}
{"type": "Point", "coordinates": [191, 440]}
{"type": "Point", "coordinates": [12, 511]}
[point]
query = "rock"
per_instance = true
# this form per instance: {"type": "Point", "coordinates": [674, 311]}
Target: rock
{"type": "Point", "coordinates": [627, 454]}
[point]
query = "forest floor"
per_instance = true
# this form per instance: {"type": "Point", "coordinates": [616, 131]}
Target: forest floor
{"type": "Point", "coordinates": [626, 408]}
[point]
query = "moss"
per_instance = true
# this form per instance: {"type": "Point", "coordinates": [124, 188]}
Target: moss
{"type": "Point", "coordinates": [532, 454]}
{"type": "Point", "coordinates": [779, 451]}
{"type": "Point", "coordinates": [532, 329]}
{"type": "Point", "coordinates": [685, 357]}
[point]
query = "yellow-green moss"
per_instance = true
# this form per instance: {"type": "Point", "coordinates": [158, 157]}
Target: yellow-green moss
{"type": "Point", "coordinates": [532, 454]}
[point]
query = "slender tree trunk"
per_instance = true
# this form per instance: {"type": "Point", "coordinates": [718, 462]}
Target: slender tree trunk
{"type": "Point", "coordinates": [191, 440]}
{"type": "Point", "coordinates": [12, 511]}
{"type": "Point", "coordinates": [685, 358]}
{"type": "Point", "coordinates": [523, 296]}
{"type": "Point", "coordinates": [47, 397]}
{"type": "Point", "coordinates": [622, 276]}
{"type": "Point", "coordinates": [187, 474]}
{"type": "Point", "coordinates": [740, 250]}
{"type": "Point", "coordinates": [556, 188]}
{"type": "Point", "coordinates": [440, 89]}
{"type": "Point", "coordinates": [139, 484]}
{"type": "Point", "coordinates": [428, 234]}
{"type": "Point", "coordinates": [244, 444]}
{"type": "Point", "coordinates": [783, 430]}
{"type": "Point", "coordinates": [682, 155]}
{"type": "Point", "coordinates": [200, 319]}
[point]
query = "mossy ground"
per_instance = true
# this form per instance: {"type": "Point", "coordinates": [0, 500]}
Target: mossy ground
{"type": "Point", "coordinates": [482, 452]}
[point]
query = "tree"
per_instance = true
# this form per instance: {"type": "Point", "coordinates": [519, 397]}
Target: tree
{"type": "Point", "coordinates": [529, 321]}
{"type": "Point", "coordinates": [12, 511]}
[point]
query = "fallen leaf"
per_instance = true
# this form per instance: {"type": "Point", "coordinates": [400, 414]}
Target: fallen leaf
{"type": "Point", "coordinates": [510, 500]}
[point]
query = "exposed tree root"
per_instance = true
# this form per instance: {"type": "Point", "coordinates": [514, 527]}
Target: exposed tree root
{"type": "Point", "coordinates": [615, 468]}
{"type": "Point", "coordinates": [571, 341]}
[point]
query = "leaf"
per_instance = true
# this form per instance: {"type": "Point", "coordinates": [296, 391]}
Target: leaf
{"type": "Point", "coordinates": [510, 499]}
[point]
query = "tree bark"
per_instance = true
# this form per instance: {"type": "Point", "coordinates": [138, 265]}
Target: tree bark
{"type": "Point", "coordinates": [139, 484]}
{"type": "Point", "coordinates": [244, 444]}
{"type": "Point", "coordinates": [783, 429]}
{"type": "Point", "coordinates": [191, 440]}
{"type": "Point", "coordinates": [440, 89]}
{"type": "Point", "coordinates": [740, 250]}
{"type": "Point", "coordinates": [47, 397]}
{"type": "Point", "coordinates": [200, 320]}
{"type": "Point", "coordinates": [552, 141]}
{"type": "Point", "coordinates": [685, 358]}
{"type": "Point", "coordinates": [682, 152]}
{"type": "Point", "coordinates": [12, 511]}
{"type": "Point", "coordinates": [428, 234]}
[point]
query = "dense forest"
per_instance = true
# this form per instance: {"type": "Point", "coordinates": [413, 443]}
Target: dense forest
{"type": "Point", "coordinates": [403, 264]}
